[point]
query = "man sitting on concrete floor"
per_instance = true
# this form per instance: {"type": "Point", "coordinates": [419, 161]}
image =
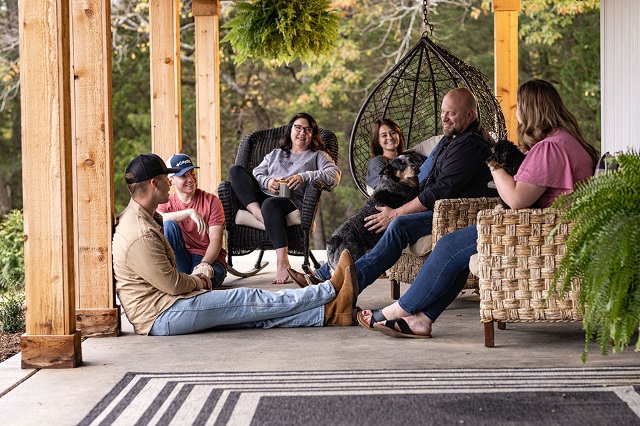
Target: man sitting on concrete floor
{"type": "Point", "coordinates": [159, 300]}
{"type": "Point", "coordinates": [193, 222]}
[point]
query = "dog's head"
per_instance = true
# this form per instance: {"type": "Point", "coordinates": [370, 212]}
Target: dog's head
{"type": "Point", "coordinates": [505, 155]}
{"type": "Point", "coordinates": [402, 169]}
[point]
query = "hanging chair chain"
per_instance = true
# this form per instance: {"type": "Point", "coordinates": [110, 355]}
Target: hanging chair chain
{"type": "Point", "coordinates": [425, 11]}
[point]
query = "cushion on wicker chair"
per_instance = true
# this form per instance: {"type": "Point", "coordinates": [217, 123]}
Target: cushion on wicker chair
{"type": "Point", "coordinates": [425, 147]}
{"type": "Point", "coordinates": [243, 217]}
{"type": "Point", "coordinates": [473, 264]}
{"type": "Point", "coordinates": [422, 247]}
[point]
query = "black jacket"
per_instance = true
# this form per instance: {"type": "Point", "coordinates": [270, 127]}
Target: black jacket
{"type": "Point", "coordinates": [459, 169]}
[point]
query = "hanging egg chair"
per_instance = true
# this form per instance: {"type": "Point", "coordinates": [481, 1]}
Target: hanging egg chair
{"type": "Point", "coordinates": [411, 95]}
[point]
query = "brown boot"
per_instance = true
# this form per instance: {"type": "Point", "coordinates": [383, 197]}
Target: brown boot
{"type": "Point", "coordinates": [339, 311]}
{"type": "Point", "coordinates": [340, 274]}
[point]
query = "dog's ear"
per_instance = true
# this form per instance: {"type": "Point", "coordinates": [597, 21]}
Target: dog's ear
{"type": "Point", "coordinates": [415, 157]}
{"type": "Point", "coordinates": [386, 170]}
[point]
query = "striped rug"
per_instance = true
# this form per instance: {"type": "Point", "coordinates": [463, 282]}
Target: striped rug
{"type": "Point", "coordinates": [555, 396]}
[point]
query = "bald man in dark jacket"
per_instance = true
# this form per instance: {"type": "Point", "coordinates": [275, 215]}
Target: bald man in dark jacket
{"type": "Point", "coordinates": [458, 170]}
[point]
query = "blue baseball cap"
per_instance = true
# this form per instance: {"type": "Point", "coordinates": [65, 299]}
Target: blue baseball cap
{"type": "Point", "coordinates": [181, 162]}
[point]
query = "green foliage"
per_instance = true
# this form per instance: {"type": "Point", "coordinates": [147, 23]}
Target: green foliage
{"type": "Point", "coordinates": [12, 319]}
{"type": "Point", "coordinates": [603, 251]}
{"type": "Point", "coordinates": [11, 248]}
{"type": "Point", "coordinates": [546, 18]}
{"type": "Point", "coordinates": [282, 30]}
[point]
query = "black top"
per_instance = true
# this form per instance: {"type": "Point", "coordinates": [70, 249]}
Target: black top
{"type": "Point", "coordinates": [459, 169]}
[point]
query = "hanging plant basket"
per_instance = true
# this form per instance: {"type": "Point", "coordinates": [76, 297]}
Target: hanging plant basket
{"type": "Point", "coordinates": [282, 30]}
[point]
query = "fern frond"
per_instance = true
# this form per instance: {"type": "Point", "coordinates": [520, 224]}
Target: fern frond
{"type": "Point", "coordinates": [603, 250]}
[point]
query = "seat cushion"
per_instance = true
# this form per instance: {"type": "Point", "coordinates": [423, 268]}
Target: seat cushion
{"type": "Point", "coordinates": [425, 147]}
{"type": "Point", "coordinates": [243, 217]}
{"type": "Point", "coordinates": [422, 247]}
{"type": "Point", "coordinates": [473, 264]}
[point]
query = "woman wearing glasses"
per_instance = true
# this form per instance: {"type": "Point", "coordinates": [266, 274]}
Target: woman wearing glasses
{"type": "Point", "coordinates": [299, 161]}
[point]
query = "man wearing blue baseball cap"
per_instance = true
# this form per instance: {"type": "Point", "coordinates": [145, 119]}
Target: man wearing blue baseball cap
{"type": "Point", "coordinates": [194, 223]}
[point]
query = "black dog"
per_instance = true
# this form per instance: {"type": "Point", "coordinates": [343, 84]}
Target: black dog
{"type": "Point", "coordinates": [505, 155]}
{"type": "Point", "coordinates": [398, 184]}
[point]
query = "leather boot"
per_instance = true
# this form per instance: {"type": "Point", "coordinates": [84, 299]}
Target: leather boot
{"type": "Point", "coordinates": [340, 274]}
{"type": "Point", "coordinates": [339, 311]}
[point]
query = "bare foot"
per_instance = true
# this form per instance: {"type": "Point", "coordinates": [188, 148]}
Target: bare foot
{"type": "Point", "coordinates": [393, 311]}
{"type": "Point", "coordinates": [280, 277]}
{"type": "Point", "coordinates": [419, 324]}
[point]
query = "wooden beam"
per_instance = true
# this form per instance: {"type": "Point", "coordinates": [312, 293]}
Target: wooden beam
{"type": "Point", "coordinates": [166, 117]}
{"type": "Point", "coordinates": [47, 169]}
{"type": "Point", "coordinates": [93, 162]}
{"type": "Point", "coordinates": [207, 46]}
{"type": "Point", "coordinates": [506, 59]}
{"type": "Point", "coordinates": [51, 351]}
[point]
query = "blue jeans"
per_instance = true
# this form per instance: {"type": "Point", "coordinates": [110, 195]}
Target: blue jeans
{"type": "Point", "coordinates": [246, 308]}
{"type": "Point", "coordinates": [185, 261]}
{"type": "Point", "coordinates": [443, 274]}
{"type": "Point", "coordinates": [402, 231]}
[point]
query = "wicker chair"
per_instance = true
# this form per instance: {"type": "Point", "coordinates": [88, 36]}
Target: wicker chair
{"type": "Point", "coordinates": [448, 216]}
{"type": "Point", "coordinates": [243, 239]}
{"type": "Point", "coordinates": [516, 267]}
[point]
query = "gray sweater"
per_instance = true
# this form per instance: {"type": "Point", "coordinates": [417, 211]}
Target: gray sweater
{"type": "Point", "coordinates": [311, 165]}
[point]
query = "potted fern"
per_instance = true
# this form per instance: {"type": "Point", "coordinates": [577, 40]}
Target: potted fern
{"type": "Point", "coordinates": [603, 250]}
{"type": "Point", "coordinates": [278, 31]}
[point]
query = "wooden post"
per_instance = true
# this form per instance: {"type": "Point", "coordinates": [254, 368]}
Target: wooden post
{"type": "Point", "coordinates": [506, 54]}
{"type": "Point", "coordinates": [166, 117]}
{"type": "Point", "coordinates": [96, 313]}
{"type": "Point", "coordinates": [206, 14]}
{"type": "Point", "coordinates": [51, 339]}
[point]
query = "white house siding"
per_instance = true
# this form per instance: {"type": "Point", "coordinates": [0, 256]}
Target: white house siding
{"type": "Point", "coordinates": [620, 71]}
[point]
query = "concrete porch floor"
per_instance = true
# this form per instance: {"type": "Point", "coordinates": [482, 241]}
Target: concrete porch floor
{"type": "Point", "coordinates": [64, 397]}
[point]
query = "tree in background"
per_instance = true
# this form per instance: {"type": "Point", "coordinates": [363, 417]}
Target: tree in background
{"type": "Point", "coordinates": [373, 36]}
{"type": "Point", "coordinates": [10, 145]}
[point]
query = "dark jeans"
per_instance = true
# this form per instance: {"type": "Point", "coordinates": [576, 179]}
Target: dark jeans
{"type": "Point", "coordinates": [402, 231]}
{"type": "Point", "coordinates": [443, 274]}
{"type": "Point", "coordinates": [186, 261]}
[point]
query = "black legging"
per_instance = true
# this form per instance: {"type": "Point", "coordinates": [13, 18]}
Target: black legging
{"type": "Point", "coordinates": [274, 209]}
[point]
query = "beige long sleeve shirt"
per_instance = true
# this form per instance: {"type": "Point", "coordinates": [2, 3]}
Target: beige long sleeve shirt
{"type": "Point", "coordinates": [144, 267]}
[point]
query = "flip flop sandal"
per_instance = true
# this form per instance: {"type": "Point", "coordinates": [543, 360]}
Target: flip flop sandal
{"type": "Point", "coordinates": [297, 277]}
{"type": "Point", "coordinates": [389, 329]}
{"type": "Point", "coordinates": [376, 316]}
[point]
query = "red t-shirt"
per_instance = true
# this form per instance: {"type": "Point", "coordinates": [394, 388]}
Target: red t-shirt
{"type": "Point", "coordinates": [210, 208]}
{"type": "Point", "coordinates": [557, 162]}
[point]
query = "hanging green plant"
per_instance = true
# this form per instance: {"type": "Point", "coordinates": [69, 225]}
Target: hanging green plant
{"type": "Point", "coordinates": [603, 250]}
{"type": "Point", "coordinates": [282, 30]}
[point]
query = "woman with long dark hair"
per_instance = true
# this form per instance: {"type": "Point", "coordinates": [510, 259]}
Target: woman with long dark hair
{"type": "Point", "coordinates": [299, 161]}
{"type": "Point", "coordinates": [386, 143]}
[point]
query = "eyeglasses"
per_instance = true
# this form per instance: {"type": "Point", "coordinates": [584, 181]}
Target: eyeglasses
{"type": "Point", "coordinates": [298, 128]}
